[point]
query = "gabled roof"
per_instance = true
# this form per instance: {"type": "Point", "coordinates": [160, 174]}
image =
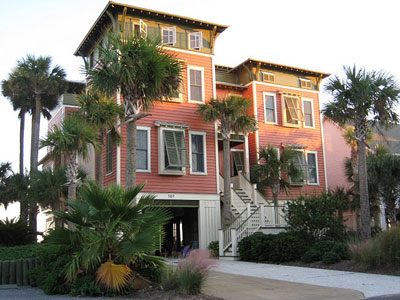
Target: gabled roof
{"type": "Point", "coordinates": [270, 65]}
{"type": "Point", "coordinates": [114, 7]}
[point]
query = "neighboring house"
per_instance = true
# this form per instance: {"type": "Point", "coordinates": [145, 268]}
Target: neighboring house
{"type": "Point", "coordinates": [285, 101]}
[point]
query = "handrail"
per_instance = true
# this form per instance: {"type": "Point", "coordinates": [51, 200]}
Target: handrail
{"type": "Point", "coordinates": [256, 190]}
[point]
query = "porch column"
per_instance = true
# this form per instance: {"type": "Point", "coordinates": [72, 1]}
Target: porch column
{"type": "Point", "coordinates": [248, 209]}
{"type": "Point", "coordinates": [234, 242]}
{"type": "Point", "coordinates": [221, 242]}
{"type": "Point", "coordinates": [246, 156]}
{"type": "Point", "coordinates": [262, 215]}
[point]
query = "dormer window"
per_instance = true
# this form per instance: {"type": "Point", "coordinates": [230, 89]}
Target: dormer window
{"type": "Point", "coordinates": [266, 76]}
{"type": "Point", "coordinates": [195, 40]}
{"type": "Point", "coordinates": [168, 35]}
{"type": "Point", "coordinates": [305, 83]}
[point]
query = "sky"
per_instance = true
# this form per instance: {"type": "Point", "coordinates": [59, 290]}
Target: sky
{"type": "Point", "coordinates": [320, 35]}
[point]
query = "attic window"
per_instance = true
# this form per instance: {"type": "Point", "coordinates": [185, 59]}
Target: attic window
{"type": "Point", "coordinates": [195, 40]}
{"type": "Point", "coordinates": [168, 35]}
{"type": "Point", "coordinates": [268, 76]}
{"type": "Point", "coordinates": [305, 83]}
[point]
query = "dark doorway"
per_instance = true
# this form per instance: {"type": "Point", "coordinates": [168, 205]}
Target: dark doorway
{"type": "Point", "coordinates": [182, 230]}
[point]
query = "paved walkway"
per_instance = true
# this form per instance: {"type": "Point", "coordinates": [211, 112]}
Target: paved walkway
{"type": "Point", "coordinates": [369, 284]}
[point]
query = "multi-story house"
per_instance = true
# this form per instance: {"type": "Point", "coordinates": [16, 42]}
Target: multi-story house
{"type": "Point", "coordinates": [284, 100]}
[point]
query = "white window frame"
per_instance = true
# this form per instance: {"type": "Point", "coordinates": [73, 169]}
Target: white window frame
{"type": "Point", "coordinates": [303, 152]}
{"type": "Point", "coordinates": [173, 29]}
{"type": "Point", "coordinates": [268, 74]}
{"type": "Point", "coordinates": [196, 33]}
{"type": "Point", "coordinates": [205, 151]}
{"type": "Point", "coordinates": [202, 83]}
{"type": "Point", "coordinates": [306, 82]}
{"type": "Point", "coordinates": [143, 28]}
{"type": "Point", "coordinates": [275, 108]}
{"type": "Point", "coordinates": [148, 129]}
{"type": "Point", "coordinates": [284, 116]}
{"type": "Point", "coordinates": [312, 112]}
{"type": "Point", "coordinates": [161, 152]}
{"type": "Point", "coordinates": [112, 154]}
{"type": "Point", "coordinates": [316, 166]}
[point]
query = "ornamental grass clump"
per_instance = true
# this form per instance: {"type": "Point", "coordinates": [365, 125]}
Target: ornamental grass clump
{"type": "Point", "coordinates": [190, 274]}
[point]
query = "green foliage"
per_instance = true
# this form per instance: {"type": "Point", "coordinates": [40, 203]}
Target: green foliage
{"type": "Point", "coordinates": [191, 279]}
{"type": "Point", "coordinates": [15, 232]}
{"type": "Point", "coordinates": [315, 218]}
{"type": "Point", "coordinates": [170, 279]}
{"type": "Point", "coordinates": [214, 248]}
{"type": "Point", "coordinates": [280, 247]}
{"type": "Point", "coordinates": [330, 258]}
{"type": "Point", "coordinates": [341, 249]}
{"type": "Point", "coordinates": [110, 227]}
{"type": "Point", "coordinates": [311, 255]}
{"type": "Point", "coordinates": [148, 266]}
{"type": "Point", "coordinates": [381, 251]}
{"type": "Point", "coordinates": [21, 252]}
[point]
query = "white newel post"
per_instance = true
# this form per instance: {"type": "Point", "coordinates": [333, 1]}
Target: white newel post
{"type": "Point", "coordinates": [262, 216]}
{"type": "Point", "coordinates": [254, 194]}
{"type": "Point", "coordinates": [248, 209]}
{"type": "Point", "coordinates": [234, 242]}
{"type": "Point", "coordinates": [221, 242]}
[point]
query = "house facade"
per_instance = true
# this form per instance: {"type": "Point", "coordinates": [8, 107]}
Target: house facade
{"type": "Point", "coordinates": [285, 102]}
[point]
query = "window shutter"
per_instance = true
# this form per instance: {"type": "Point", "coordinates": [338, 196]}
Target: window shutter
{"type": "Point", "coordinates": [175, 146]}
{"type": "Point", "coordinates": [292, 108]}
{"type": "Point", "coordinates": [143, 29]}
{"type": "Point", "coordinates": [238, 159]}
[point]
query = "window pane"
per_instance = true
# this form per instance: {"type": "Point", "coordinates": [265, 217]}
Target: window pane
{"type": "Point", "coordinates": [195, 85]}
{"type": "Point", "coordinates": [142, 149]}
{"type": "Point", "coordinates": [141, 160]}
{"type": "Point", "coordinates": [109, 154]}
{"type": "Point", "coordinates": [141, 139]}
{"type": "Point", "coordinates": [312, 168]}
{"type": "Point", "coordinates": [269, 109]}
{"type": "Point", "coordinates": [307, 107]}
{"type": "Point", "coordinates": [269, 102]}
{"type": "Point", "coordinates": [308, 121]}
{"type": "Point", "coordinates": [197, 153]}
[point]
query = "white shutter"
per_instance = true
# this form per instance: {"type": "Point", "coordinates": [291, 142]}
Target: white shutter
{"type": "Point", "coordinates": [143, 29]}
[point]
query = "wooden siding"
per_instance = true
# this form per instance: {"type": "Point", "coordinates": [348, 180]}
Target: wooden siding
{"type": "Point", "coordinates": [183, 112]}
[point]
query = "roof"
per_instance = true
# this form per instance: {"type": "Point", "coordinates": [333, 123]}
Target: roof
{"type": "Point", "coordinates": [272, 66]}
{"type": "Point", "coordinates": [103, 20]}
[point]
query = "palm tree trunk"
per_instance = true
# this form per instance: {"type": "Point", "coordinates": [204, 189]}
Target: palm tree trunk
{"type": "Point", "coordinates": [363, 185]}
{"type": "Point", "coordinates": [390, 211]}
{"type": "Point", "coordinates": [23, 206]}
{"type": "Point", "coordinates": [130, 172]}
{"type": "Point", "coordinates": [71, 173]}
{"type": "Point", "coordinates": [227, 209]}
{"type": "Point", "coordinates": [99, 160]}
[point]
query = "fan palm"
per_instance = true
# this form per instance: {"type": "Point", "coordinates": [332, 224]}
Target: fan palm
{"type": "Point", "coordinates": [142, 71]}
{"type": "Point", "coordinates": [231, 112]}
{"type": "Point", "coordinates": [101, 112]}
{"type": "Point", "coordinates": [71, 139]}
{"type": "Point", "coordinates": [111, 231]}
{"type": "Point", "coordinates": [268, 173]}
{"type": "Point", "coordinates": [363, 99]}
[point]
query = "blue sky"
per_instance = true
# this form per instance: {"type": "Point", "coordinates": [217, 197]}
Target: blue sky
{"type": "Point", "coordinates": [313, 34]}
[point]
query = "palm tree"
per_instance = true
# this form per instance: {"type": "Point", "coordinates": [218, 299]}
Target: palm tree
{"type": "Point", "coordinates": [111, 232]}
{"type": "Point", "coordinates": [45, 85]}
{"type": "Point", "coordinates": [268, 173]}
{"type": "Point", "coordinates": [363, 99]}
{"type": "Point", "coordinates": [101, 112]}
{"type": "Point", "coordinates": [142, 71]}
{"type": "Point", "coordinates": [71, 139]}
{"type": "Point", "coordinates": [231, 112]}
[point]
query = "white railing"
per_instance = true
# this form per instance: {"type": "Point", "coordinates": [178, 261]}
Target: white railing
{"type": "Point", "coordinates": [236, 201]}
{"type": "Point", "coordinates": [251, 190]}
{"type": "Point", "coordinates": [225, 236]}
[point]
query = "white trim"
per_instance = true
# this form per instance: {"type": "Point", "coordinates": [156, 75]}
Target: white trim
{"type": "Point", "coordinates": [316, 166]}
{"type": "Point", "coordinates": [312, 111]}
{"type": "Point", "coordinates": [246, 156]}
{"type": "Point", "coordinates": [306, 80]}
{"type": "Point", "coordinates": [118, 154]}
{"type": "Point", "coordinates": [268, 74]}
{"type": "Point", "coordinates": [56, 112]}
{"type": "Point", "coordinates": [169, 28]}
{"type": "Point", "coordinates": [195, 33]}
{"type": "Point", "coordinates": [213, 78]}
{"type": "Point", "coordinates": [204, 149]}
{"type": "Point", "coordinates": [161, 152]}
{"type": "Point", "coordinates": [323, 151]}
{"type": "Point", "coordinates": [275, 108]}
{"type": "Point", "coordinates": [201, 69]}
{"type": "Point", "coordinates": [255, 116]}
{"type": "Point", "coordinates": [148, 129]}
{"type": "Point", "coordinates": [182, 196]}
{"type": "Point", "coordinates": [216, 154]}
{"type": "Point", "coordinates": [283, 86]}
{"type": "Point", "coordinates": [188, 51]}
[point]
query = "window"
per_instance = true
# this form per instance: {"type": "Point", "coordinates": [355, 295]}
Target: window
{"type": "Point", "coordinates": [300, 163]}
{"type": "Point", "coordinates": [292, 111]}
{"type": "Point", "coordinates": [312, 175]}
{"type": "Point", "coordinates": [268, 76]}
{"type": "Point", "coordinates": [238, 162]}
{"type": "Point", "coordinates": [305, 83]}
{"type": "Point", "coordinates": [196, 86]}
{"type": "Point", "coordinates": [143, 149]}
{"type": "Point", "coordinates": [308, 113]}
{"type": "Point", "coordinates": [270, 108]}
{"type": "Point", "coordinates": [195, 40]}
{"type": "Point", "coordinates": [198, 153]}
{"type": "Point", "coordinates": [133, 27]}
{"type": "Point", "coordinates": [173, 153]}
{"type": "Point", "coordinates": [168, 35]}
{"type": "Point", "coordinates": [143, 29]}
{"type": "Point", "coordinates": [109, 154]}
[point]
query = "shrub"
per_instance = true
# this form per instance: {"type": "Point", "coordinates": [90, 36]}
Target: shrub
{"type": "Point", "coordinates": [323, 246]}
{"type": "Point", "coordinates": [330, 258]}
{"type": "Point", "coordinates": [341, 249]}
{"type": "Point", "coordinates": [21, 252]}
{"type": "Point", "coordinates": [287, 247]}
{"type": "Point", "coordinates": [15, 232]}
{"type": "Point", "coordinates": [315, 218]}
{"type": "Point", "coordinates": [213, 247]}
{"type": "Point", "coordinates": [148, 266]}
{"type": "Point", "coordinates": [312, 255]}
{"type": "Point", "coordinates": [190, 274]}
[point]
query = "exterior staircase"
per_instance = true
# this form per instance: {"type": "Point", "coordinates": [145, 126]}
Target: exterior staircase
{"type": "Point", "coordinates": [251, 213]}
